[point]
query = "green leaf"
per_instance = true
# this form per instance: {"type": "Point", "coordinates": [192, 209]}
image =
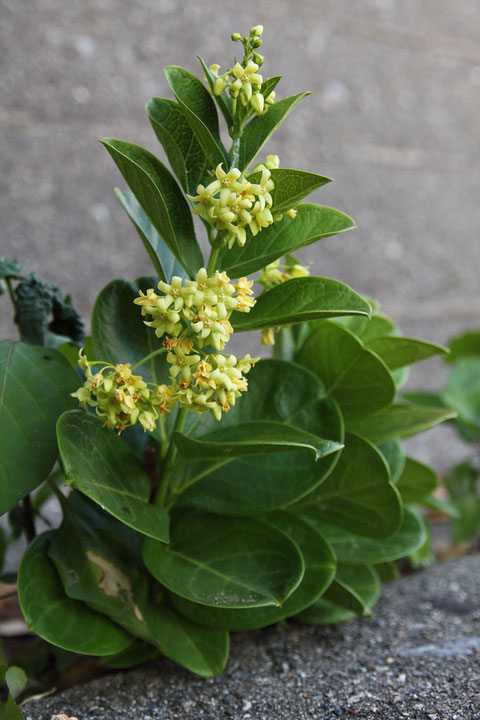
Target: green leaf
{"type": "Point", "coordinates": [260, 129]}
{"type": "Point", "coordinates": [397, 352]}
{"type": "Point", "coordinates": [119, 334]}
{"type": "Point", "coordinates": [9, 710]}
{"type": "Point", "coordinates": [298, 300]}
{"type": "Point", "coordinates": [400, 421]}
{"type": "Point", "coordinates": [312, 223]}
{"type": "Point", "coordinates": [161, 199]}
{"type": "Point", "coordinates": [325, 612]}
{"type": "Point", "coordinates": [200, 650]}
{"type": "Point", "coordinates": [357, 550]}
{"type": "Point", "coordinates": [9, 268]}
{"type": "Point", "coordinates": [138, 653]}
{"type": "Point", "coordinates": [162, 258]}
{"type": "Point", "coordinates": [319, 571]}
{"type": "Point", "coordinates": [15, 679]}
{"type": "Point", "coordinates": [35, 387]}
{"type": "Point", "coordinates": [357, 495]}
{"type": "Point", "coordinates": [100, 465]}
{"type": "Point", "coordinates": [218, 561]}
{"type": "Point", "coordinates": [291, 186]}
{"type": "Point", "coordinates": [462, 390]}
{"type": "Point", "coordinates": [199, 110]}
{"type": "Point", "coordinates": [252, 438]}
{"type": "Point", "coordinates": [416, 482]}
{"type": "Point", "coordinates": [394, 455]}
{"type": "Point", "coordinates": [376, 326]}
{"type": "Point", "coordinates": [355, 587]}
{"type": "Point", "coordinates": [223, 100]}
{"type": "Point", "coordinates": [354, 376]}
{"type": "Point", "coordinates": [183, 150]}
{"type": "Point", "coordinates": [53, 616]}
{"type": "Point", "coordinates": [278, 392]}
{"type": "Point", "coordinates": [464, 345]}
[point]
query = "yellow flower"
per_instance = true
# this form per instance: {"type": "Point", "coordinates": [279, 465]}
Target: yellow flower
{"type": "Point", "coordinates": [268, 337]}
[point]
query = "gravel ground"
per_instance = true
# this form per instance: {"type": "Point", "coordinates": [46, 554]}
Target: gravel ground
{"type": "Point", "coordinates": [417, 658]}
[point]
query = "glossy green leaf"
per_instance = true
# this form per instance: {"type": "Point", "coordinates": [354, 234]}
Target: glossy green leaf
{"type": "Point", "coordinates": [261, 128]}
{"type": "Point", "coordinates": [163, 260]}
{"type": "Point", "coordinates": [119, 334]}
{"type": "Point", "coordinates": [35, 387]}
{"type": "Point", "coordinates": [252, 438]}
{"type": "Point", "coordinates": [200, 650]}
{"type": "Point", "coordinates": [199, 110]}
{"type": "Point", "coordinates": [223, 100]}
{"type": "Point", "coordinates": [183, 150]}
{"type": "Point", "coordinates": [357, 379]}
{"type": "Point", "coordinates": [464, 345]}
{"type": "Point", "coordinates": [312, 223]}
{"type": "Point", "coordinates": [53, 616]}
{"type": "Point", "coordinates": [319, 571]}
{"type": "Point", "coordinates": [279, 392]}
{"type": "Point", "coordinates": [355, 587]}
{"type": "Point", "coordinates": [298, 300]}
{"type": "Point", "coordinates": [397, 352]}
{"type": "Point", "coordinates": [100, 465]}
{"type": "Point", "coordinates": [291, 187]}
{"type": "Point", "coordinates": [394, 455]}
{"type": "Point", "coordinates": [161, 199]}
{"type": "Point", "coordinates": [358, 495]}
{"type": "Point", "coordinates": [462, 390]}
{"type": "Point", "coordinates": [400, 421]}
{"type": "Point", "coordinates": [326, 612]}
{"type": "Point", "coordinates": [357, 550]}
{"type": "Point", "coordinates": [416, 482]}
{"type": "Point", "coordinates": [138, 653]}
{"type": "Point", "coordinates": [218, 561]}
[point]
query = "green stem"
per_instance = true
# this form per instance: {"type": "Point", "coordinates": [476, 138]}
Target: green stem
{"type": "Point", "coordinates": [212, 262]}
{"type": "Point", "coordinates": [235, 152]}
{"type": "Point", "coordinates": [149, 357]}
{"type": "Point", "coordinates": [8, 283]}
{"type": "Point", "coordinates": [170, 458]}
{"type": "Point", "coordinates": [278, 350]}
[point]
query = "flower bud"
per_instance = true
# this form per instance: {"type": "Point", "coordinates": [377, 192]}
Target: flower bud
{"type": "Point", "coordinates": [257, 102]}
{"type": "Point", "coordinates": [258, 59]}
{"type": "Point", "coordinates": [219, 85]}
{"type": "Point", "coordinates": [236, 37]}
{"type": "Point", "coordinates": [256, 42]}
{"type": "Point", "coordinates": [257, 30]}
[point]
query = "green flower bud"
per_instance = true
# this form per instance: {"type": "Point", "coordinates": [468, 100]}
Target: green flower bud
{"type": "Point", "coordinates": [236, 37]}
{"type": "Point", "coordinates": [257, 30]}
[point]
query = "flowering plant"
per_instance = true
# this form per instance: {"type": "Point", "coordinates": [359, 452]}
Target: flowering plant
{"type": "Point", "coordinates": [210, 492]}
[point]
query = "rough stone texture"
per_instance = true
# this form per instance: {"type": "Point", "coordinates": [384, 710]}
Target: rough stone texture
{"type": "Point", "coordinates": [417, 658]}
{"type": "Point", "coordinates": [393, 119]}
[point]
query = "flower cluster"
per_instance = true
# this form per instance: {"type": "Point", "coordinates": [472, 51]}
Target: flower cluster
{"type": "Point", "coordinates": [232, 202]}
{"type": "Point", "coordinates": [118, 396]}
{"type": "Point", "coordinates": [243, 80]}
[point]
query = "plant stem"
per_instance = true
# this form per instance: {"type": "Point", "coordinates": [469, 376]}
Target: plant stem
{"type": "Point", "coordinates": [28, 523]}
{"type": "Point", "coordinates": [235, 152]}
{"type": "Point", "coordinates": [278, 350]}
{"type": "Point", "coordinates": [8, 283]}
{"type": "Point", "coordinates": [149, 357]}
{"type": "Point", "coordinates": [170, 458]}
{"type": "Point", "coordinates": [212, 262]}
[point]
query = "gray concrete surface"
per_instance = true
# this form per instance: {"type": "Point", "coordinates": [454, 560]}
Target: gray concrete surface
{"type": "Point", "coordinates": [417, 658]}
{"type": "Point", "coordinates": [393, 119]}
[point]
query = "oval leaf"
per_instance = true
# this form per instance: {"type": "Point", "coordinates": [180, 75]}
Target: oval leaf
{"type": "Point", "coordinates": [291, 186]}
{"type": "Point", "coordinates": [357, 550]}
{"type": "Point", "coordinates": [161, 199]}
{"type": "Point", "coordinates": [397, 352]}
{"type": "Point", "coordinates": [416, 482]}
{"type": "Point", "coordinates": [100, 465]}
{"type": "Point", "coordinates": [199, 110]}
{"type": "Point", "coordinates": [356, 587]}
{"type": "Point", "coordinates": [312, 223]}
{"type": "Point", "coordinates": [53, 616]}
{"type": "Point", "coordinates": [298, 300]}
{"type": "Point", "coordinates": [279, 392]}
{"type": "Point", "coordinates": [35, 387]}
{"type": "Point", "coordinates": [215, 561]}
{"type": "Point", "coordinates": [400, 421]}
{"type": "Point", "coordinates": [252, 438]}
{"type": "Point", "coordinates": [319, 571]}
{"type": "Point", "coordinates": [354, 376]}
{"type": "Point", "coordinates": [358, 495]}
